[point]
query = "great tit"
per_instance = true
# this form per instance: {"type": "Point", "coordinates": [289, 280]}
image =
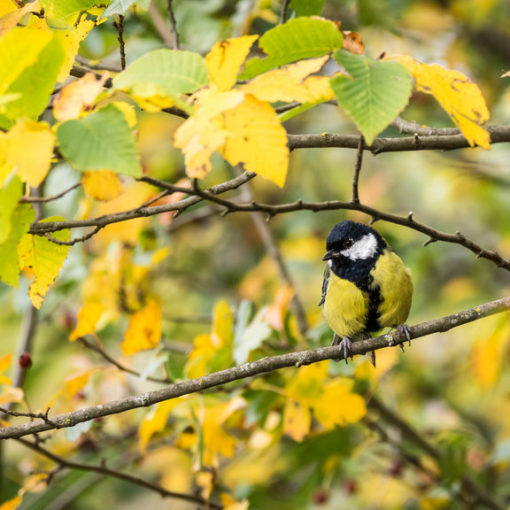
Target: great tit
{"type": "Point", "coordinates": [366, 285]}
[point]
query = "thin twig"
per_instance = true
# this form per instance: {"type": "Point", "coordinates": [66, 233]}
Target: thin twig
{"type": "Point", "coordinates": [119, 26]}
{"type": "Point", "coordinates": [283, 12]}
{"type": "Point", "coordinates": [102, 469]}
{"type": "Point", "coordinates": [261, 366]}
{"type": "Point", "coordinates": [160, 24]}
{"type": "Point", "coordinates": [357, 170]}
{"type": "Point", "coordinates": [414, 436]}
{"type": "Point", "coordinates": [121, 367]}
{"type": "Point", "coordinates": [173, 25]}
{"type": "Point", "coordinates": [81, 239]}
{"type": "Point", "coordinates": [24, 200]}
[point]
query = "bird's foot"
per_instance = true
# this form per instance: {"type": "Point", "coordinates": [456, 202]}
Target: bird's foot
{"type": "Point", "coordinates": [344, 345]}
{"type": "Point", "coordinates": [405, 330]}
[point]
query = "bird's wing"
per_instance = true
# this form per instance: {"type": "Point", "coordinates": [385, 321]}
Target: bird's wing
{"type": "Point", "coordinates": [325, 282]}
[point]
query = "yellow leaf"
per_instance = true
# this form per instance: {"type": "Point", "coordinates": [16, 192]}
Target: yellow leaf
{"type": "Point", "coordinates": [202, 133]}
{"type": "Point", "coordinates": [229, 503]}
{"type": "Point", "coordinates": [19, 49]}
{"type": "Point", "coordinates": [11, 394]}
{"type": "Point", "coordinates": [7, 6]}
{"type": "Point", "coordinates": [45, 258]}
{"type": "Point", "coordinates": [9, 19]}
{"type": "Point", "coordinates": [155, 421]}
{"type": "Point", "coordinates": [144, 330]}
{"type": "Point", "coordinates": [77, 96]}
{"type": "Point", "coordinates": [5, 363]}
{"type": "Point", "coordinates": [275, 314]}
{"type": "Point", "coordinates": [296, 420]}
{"type": "Point", "coordinates": [88, 318]}
{"type": "Point", "coordinates": [225, 59]}
{"type": "Point", "coordinates": [205, 481]}
{"type": "Point", "coordinates": [203, 351]}
{"type": "Point", "coordinates": [338, 405]}
{"type": "Point", "coordinates": [308, 385]}
{"type": "Point", "coordinates": [12, 504]}
{"type": "Point", "coordinates": [215, 439]}
{"type": "Point", "coordinates": [31, 165]}
{"type": "Point", "coordinates": [101, 184]}
{"type": "Point", "coordinates": [290, 83]}
{"type": "Point", "coordinates": [78, 382]}
{"type": "Point", "coordinates": [459, 97]}
{"type": "Point", "coordinates": [222, 333]}
{"type": "Point", "coordinates": [128, 110]}
{"type": "Point", "coordinates": [70, 40]}
{"type": "Point", "coordinates": [487, 353]}
{"type": "Point", "coordinates": [257, 139]}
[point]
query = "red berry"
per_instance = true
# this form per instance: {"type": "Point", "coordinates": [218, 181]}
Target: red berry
{"type": "Point", "coordinates": [396, 469]}
{"type": "Point", "coordinates": [320, 496]}
{"type": "Point", "coordinates": [25, 360]}
{"type": "Point", "coordinates": [351, 486]}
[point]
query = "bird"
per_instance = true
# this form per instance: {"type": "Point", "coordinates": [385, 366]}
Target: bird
{"type": "Point", "coordinates": [366, 285]}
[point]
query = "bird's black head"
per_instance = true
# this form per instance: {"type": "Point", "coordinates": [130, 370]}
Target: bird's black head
{"type": "Point", "coordinates": [353, 248]}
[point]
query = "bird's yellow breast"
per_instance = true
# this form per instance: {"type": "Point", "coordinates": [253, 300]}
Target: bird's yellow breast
{"type": "Point", "coordinates": [395, 287]}
{"type": "Point", "coordinates": [345, 307]}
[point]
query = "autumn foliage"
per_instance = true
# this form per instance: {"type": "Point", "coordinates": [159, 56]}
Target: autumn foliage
{"type": "Point", "coordinates": [146, 160]}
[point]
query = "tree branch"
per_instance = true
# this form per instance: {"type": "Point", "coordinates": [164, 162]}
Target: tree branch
{"type": "Point", "coordinates": [283, 12]}
{"type": "Point", "coordinates": [407, 143]}
{"type": "Point", "coordinates": [260, 366]}
{"type": "Point", "coordinates": [102, 469]}
{"type": "Point", "coordinates": [357, 170]}
{"type": "Point", "coordinates": [173, 25]}
{"type": "Point", "coordinates": [23, 200]}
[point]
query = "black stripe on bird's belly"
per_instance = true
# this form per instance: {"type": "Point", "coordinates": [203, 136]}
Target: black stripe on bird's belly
{"type": "Point", "coordinates": [358, 272]}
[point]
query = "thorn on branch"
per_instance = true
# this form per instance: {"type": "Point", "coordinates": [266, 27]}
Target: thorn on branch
{"type": "Point", "coordinates": [430, 240]}
{"type": "Point", "coordinates": [410, 216]}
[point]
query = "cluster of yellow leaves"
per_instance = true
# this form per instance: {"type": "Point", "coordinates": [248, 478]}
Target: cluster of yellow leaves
{"type": "Point", "coordinates": [206, 347]}
{"type": "Point", "coordinates": [332, 401]}
{"type": "Point", "coordinates": [239, 122]}
{"type": "Point", "coordinates": [459, 97]}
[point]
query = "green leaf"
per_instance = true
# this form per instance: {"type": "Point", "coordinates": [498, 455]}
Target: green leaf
{"type": "Point", "coordinates": [62, 9]}
{"type": "Point", "coordinates": [102, 140]}
{"type": "Point", "coordinates": [307, 7]}
{"type": "Point", "coordinates": [297, 39]}
{"type": "Point", "coordinates": [45, 258]}
{"type": "Point", "coordinates": [36, 83]}
{"type": "Point", "coordinates": [117, 7]}
{"type": "Point", "coordinates": [9, 197]}
{"type": "Point", "coordinates": [19, 49]}
{"type": "Point", "coordinates": [252, 337]}
{"type": "Point", "coordinates": [374, 93]}
{"type": "Point", "coordinates": [164, 71]}
{"type": "Point", "coordinates": [22, 216]}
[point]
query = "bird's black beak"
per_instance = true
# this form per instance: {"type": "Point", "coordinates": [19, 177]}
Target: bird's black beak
{"type": "Point", "coordinates": [331, 254]}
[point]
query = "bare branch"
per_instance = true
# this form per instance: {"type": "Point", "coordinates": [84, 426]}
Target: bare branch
{"type": "Point", "coordinates": [52, 226]}
{"type": "Point", "coordinates": [357, 170]}
{"type": "Point", "coordinates": [260, 366]}
{"type": "Point", "coordinates": [76, 240]}
{"type": "Point", "coordinates": [407, 143]}
{"type": "Point", "coordinates": [283, 12]}
{"type": "Point", "coordinates": [24, 200]}
{"type": "Point", "coordinates": [160, 24]}
{"type": "Point", "coordinates": [119, 26]}
{"type": "Point", "coordinates": [102, 469]}
{"type": "Point", "coordinates": [121, 367]}
{"type": "Point", "coordinates": [173, 25]}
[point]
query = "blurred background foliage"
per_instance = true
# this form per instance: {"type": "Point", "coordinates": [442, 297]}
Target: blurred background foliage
{"type": "Point", "coordinates": [453, 387]}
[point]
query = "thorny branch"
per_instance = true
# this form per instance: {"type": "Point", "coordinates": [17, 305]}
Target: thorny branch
{"type": "Point", "coordinates": [198, 195]}
{"type": "Point", "coordinates": [102, 469]}
{"type": "Point", "coordinates": [254, 368]}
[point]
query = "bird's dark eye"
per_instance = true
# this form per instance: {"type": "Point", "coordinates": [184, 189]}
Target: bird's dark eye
{"type": "Point", "coordinates": [348, 243]}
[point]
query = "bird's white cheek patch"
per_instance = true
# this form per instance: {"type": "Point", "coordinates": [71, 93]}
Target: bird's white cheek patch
{"type": "Point", "coordinates": [364, 248]}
